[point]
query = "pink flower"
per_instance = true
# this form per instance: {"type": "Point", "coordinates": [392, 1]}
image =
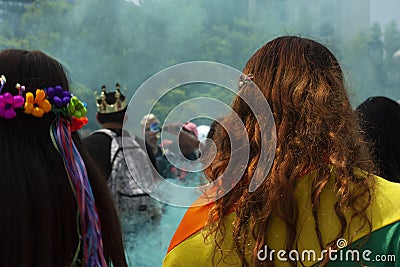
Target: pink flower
{"type": "Point", "coordinates": [8, 103]}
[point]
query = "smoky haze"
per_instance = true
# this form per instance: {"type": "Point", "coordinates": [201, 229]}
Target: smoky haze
{"type": "Point", "coordinates": [104, 42]}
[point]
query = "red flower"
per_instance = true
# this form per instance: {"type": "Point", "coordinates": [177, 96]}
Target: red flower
{"type": "Point", "coordinates": [78, 123]}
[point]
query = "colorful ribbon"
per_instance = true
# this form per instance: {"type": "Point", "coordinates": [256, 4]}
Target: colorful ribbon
{"type": "Point", "coordinates": [89, 219]}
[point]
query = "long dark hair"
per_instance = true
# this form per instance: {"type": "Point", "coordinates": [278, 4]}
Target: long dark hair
{"type": "Point", "coordinates": [315, 126]}
{"type": "Point", "coordinates": [38, 222]}
{"type": "Point", "coordinates": [380, 119]}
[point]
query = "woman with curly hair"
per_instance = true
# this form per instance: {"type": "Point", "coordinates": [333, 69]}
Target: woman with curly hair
{"type": "Point", "coordinates": [320, 193]}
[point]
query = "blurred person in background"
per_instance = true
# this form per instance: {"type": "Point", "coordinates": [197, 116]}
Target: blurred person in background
{"type": "Point", "coordinates": [188, 143]}
{"type": "Point", "coordinates": [124, 163]}
{"type": "Point", "coordinates": [152, 132]}
{"type": "Point", "coordinates": [380, 119]}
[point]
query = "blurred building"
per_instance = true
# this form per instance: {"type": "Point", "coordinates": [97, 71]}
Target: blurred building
{"type": "Point", "coordinates": [8, 9]}
{"type": "Point", "coordinates": [341, 18]}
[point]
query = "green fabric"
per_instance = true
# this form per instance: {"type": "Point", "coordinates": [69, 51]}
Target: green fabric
{"type": "Point", "coordinates": [382, 243]}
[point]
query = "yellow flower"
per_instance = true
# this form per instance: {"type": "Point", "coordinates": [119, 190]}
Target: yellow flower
{"type": "Point", "coordinates": [38, 105]}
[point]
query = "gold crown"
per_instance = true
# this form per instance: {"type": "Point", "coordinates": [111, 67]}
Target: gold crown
{"type": "Point", "coordinates": [110, 102]}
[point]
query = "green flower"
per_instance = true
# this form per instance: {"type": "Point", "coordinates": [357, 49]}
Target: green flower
{"type": "Point", "coordinates": [76, 108]}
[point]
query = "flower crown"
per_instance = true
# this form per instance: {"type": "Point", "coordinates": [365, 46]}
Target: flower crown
{"type": "Point", "coordinates": [44, 100]}
{"type": "Point", "coordinates": [70, 116]}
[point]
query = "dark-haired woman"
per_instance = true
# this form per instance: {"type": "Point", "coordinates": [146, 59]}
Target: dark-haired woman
{"type": "Point", "coordinates": [55, 208]}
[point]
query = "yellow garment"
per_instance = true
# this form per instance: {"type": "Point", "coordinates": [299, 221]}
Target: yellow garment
{"type": "Point", "coordinates": [384, 210]}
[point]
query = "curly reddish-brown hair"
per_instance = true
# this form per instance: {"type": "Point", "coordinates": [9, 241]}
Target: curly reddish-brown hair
{"type": "Point", "coordinates": [315, 126]}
